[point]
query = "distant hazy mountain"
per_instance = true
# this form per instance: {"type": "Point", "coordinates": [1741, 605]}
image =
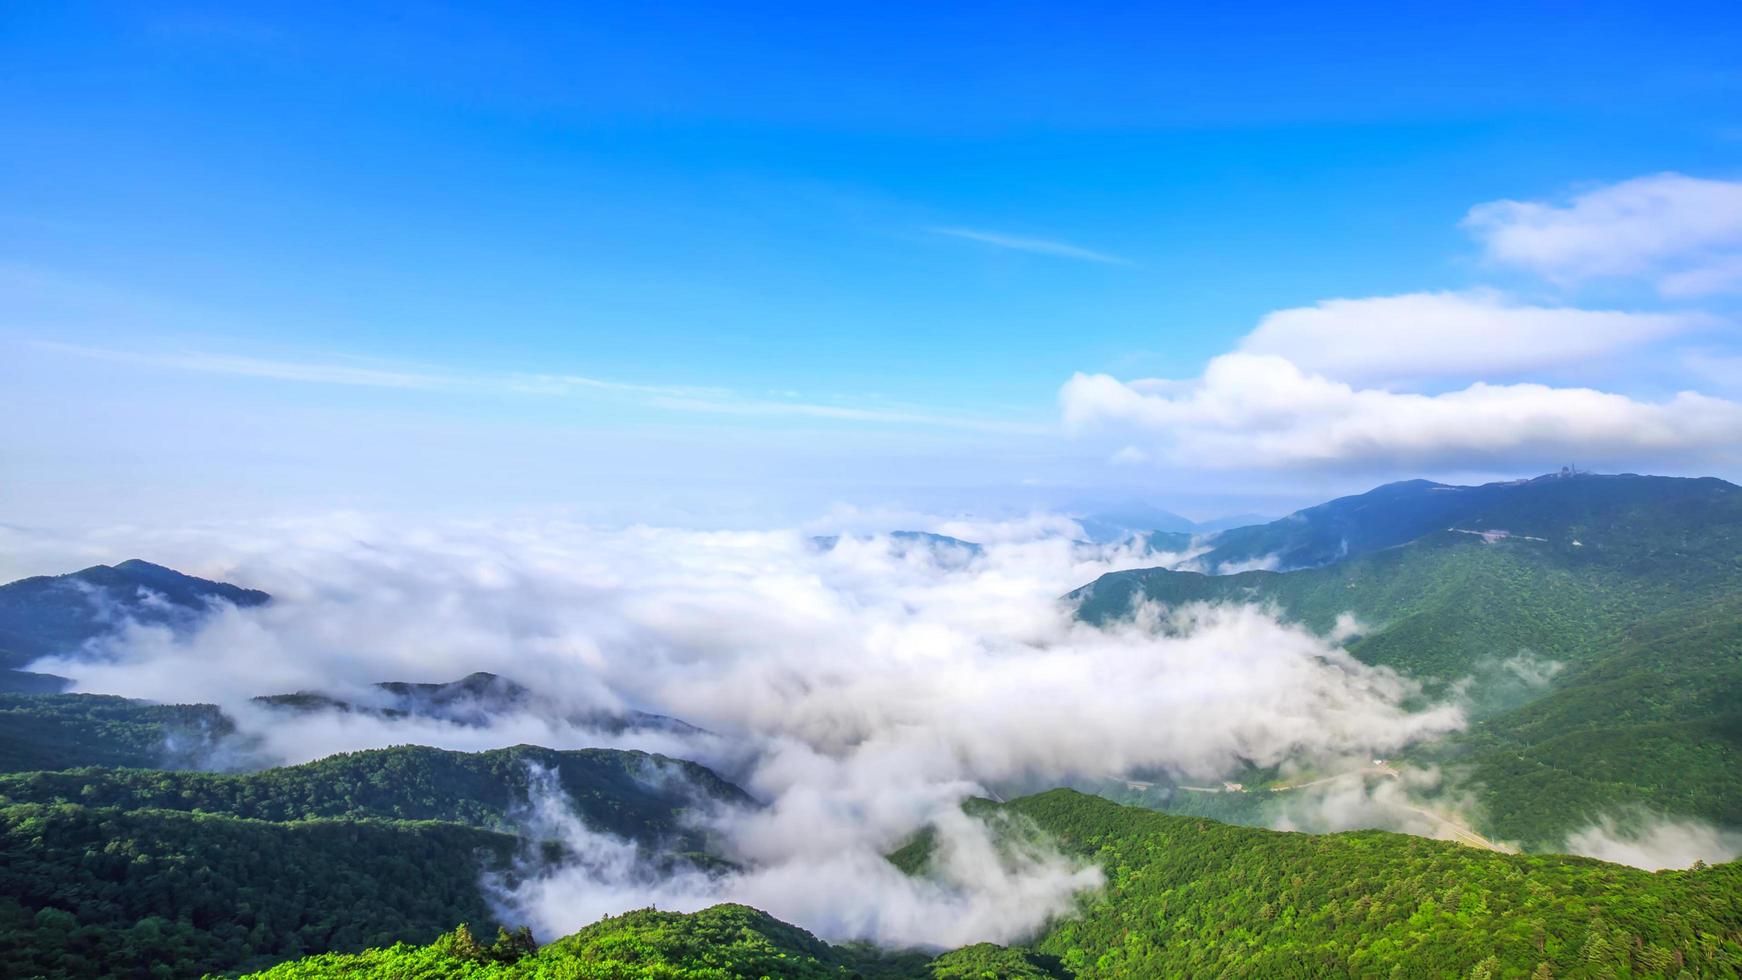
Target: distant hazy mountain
{"type": "Point", "coordinates": [1230, 522]}
{"type": "Point", "coordinates": [945, 551]}
{"type": "Point", "coordinates": [1561, 508]}
{"type": "Point", "coordinates": [1114, 523]}
{"type": "Point", "coordinates": [951, 552]}
{"type": "Point", "coordinates": [476, 699]}
{"type": "Point", "coordinates": [52, 615]}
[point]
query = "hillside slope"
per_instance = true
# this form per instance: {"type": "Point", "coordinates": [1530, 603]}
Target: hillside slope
{"type": "Point", "coordinates": [111, 871]}
{"type": "Point", "coordinates": [631, 794]}
{"type": "Point", "coordinates": [91, 892]}
{"type": "Point", "coordinates": [1190, 897]}
{"type": "Point", "coordinates": [1627, 514]}
{"type": "Point", "coordinates": [1601, 659]}
{"type": "Point", "coordinates": [725, 942]}
{"type": "Point", "coordinates": [63, 731]}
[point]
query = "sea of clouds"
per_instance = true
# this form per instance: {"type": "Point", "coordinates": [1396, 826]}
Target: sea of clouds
{"type": "Point", "coordinates": [861, 689]}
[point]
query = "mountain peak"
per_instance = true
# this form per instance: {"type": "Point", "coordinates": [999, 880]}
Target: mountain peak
{"type": "Point", "coordinates": [57, 614]}
{"type": "Point", "coordinates": [141, 565]}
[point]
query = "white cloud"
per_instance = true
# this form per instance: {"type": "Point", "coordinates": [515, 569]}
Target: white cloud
{"type": "Point", "coordinates": [258, 367]}
{"type": "Point", "coordinates": [862, 690]}
{"type": "Point", "coordinates": [1655, 843]}
{"type": "Point", "coordinates": [1363, 382]}
{"type": "Point", "coordinates": [1038, 246]}
{"type": "Point", "coordinates": [1683, 233]}
{"type": "Point", "coordinates": [792, 864]}
{"type": "Point", "coordinates": [1249, 410]}
{"type": "Point", "coordinates": [1450, 334]}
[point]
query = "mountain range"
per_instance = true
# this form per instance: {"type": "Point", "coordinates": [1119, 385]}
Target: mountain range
{"type": "Point", "coordinates": [1590, 626]}
{"type": "Point", "coordinates": [474, 700]}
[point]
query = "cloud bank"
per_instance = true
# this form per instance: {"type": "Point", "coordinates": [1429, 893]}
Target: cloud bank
{"type": "Point", "coordinates": [1250, 410]}
{"type": "Point", "coordinates": [793, 866]}
{"type": "Point", "coordinates": [1656, 843]}
{"type": "Point", "coordinates": [862, 690]}
{"type": "Point", "coordinates": [1434, 378]}
{"type": "Point", "coordinates": [1450, 334]}
{"type": "Point", "coordinates": [1681, 233]}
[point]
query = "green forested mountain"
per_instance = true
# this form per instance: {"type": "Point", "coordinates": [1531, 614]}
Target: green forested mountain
{"type": "Point", "coordinates": [1625, 514]}
{"type": "Point", "coordinates": [726, 942]}
{"type": "Point", "coordinates": [631, 794]}
{"type": "Point", "coordinates": [1593, 624]}
{"type": "Point", "coordinates": [1191, 897]}
{"type": "Point", "coordinates": [1653, 720]}
{"type": "Point", "coordinates": [63, 731]}
{"type": "Point", "coordinates": [214, 872]}
{"type": "Point", "coordinates": [1620, 592]}
{"type": "Point", "coordinates": [103, 890]}
{"type": "Point", "coordinates": [87, 892]}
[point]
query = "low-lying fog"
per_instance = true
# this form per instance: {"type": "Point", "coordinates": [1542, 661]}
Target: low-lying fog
{"type": "Point", "coordinates": [862, 688]}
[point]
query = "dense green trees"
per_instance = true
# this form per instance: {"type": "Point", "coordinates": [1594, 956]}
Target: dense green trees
{"type": "Point", "coordinates": [1635, 592]}
{"type": "Point", "coordinates": [631, 794]}
{"type": "Point", "coordinates": [61, 731]}
{"type": "Point", "coordinates": [726, 942]}
{"type": "Point", "coordinates": [103, 892]}
{"type": "Point", "coordinates": [1189, 897]}
{"type": "Point", "coordinates": [134, 872]}
{"type": "Point", "coordinates": [368, 859]}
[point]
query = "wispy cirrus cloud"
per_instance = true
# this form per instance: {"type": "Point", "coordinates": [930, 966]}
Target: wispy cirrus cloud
{"type": "Point", "coordinates": [1037, 246]}
{"type": "Point", "coordinates": [695, 399]}
{"type": "Point", "coordinates": [258, 367]}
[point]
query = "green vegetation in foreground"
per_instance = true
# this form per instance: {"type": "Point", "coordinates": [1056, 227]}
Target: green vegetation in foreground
{"type": "Point", "coordinates": [1189, 897]}
{"type": "Point", "coordinates": [726, 942]}
{"type": "Point", "coordinates": [630, 794]}
{"type": "Point", "coordinates": [126, 872]}
{"type": "Point", "coordinates": [150, 893]}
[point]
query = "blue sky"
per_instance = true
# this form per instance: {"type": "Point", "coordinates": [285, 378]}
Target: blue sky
{"type": "Point", "coordinates": [737, 262]}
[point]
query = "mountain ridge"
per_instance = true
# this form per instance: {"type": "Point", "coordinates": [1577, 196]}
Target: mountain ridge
{"type": "Point", "coordinates": [57, 615]}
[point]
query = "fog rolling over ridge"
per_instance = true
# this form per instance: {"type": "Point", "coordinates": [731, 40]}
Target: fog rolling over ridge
{"type": "Point", "coordinates": [861, 690]}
